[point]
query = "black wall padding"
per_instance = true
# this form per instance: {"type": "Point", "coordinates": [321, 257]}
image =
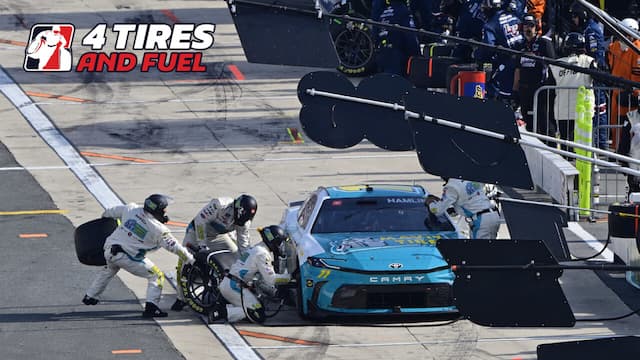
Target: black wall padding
{"type": "Point", "coordinates": [538, 222]}
{"type": "Point", "coordinates": [284, 37]}
{"type": "Point", "coordinates": [497, 296]}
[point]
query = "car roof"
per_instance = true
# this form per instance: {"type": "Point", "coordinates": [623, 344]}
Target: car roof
{"type": "Point", "coordinates": [378, 190]}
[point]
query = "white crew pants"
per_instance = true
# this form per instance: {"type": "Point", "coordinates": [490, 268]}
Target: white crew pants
{"type": "Point", "coordinates": [144, 268]}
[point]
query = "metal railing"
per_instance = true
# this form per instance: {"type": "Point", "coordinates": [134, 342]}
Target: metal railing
{"type": "Point", "coordinates": [608, 184]}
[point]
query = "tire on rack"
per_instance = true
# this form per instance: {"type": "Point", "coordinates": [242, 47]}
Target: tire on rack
{"type": "Point", "coordinates": [201, 290]}
{"type": "Point", "coordinates": [355, 47]}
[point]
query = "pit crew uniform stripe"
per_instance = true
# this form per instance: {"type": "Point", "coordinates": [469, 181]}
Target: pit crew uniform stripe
{"type": "Point", "coordinates": [227, 334]}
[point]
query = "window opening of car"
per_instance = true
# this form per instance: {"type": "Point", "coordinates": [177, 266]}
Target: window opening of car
{"type": "Point", "coordinates": [306, 210]}
{"type": "Point", "coordinates": [378, 214]}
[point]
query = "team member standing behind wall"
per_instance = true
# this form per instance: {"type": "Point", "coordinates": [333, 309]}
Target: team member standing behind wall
{"type": "Point", "coordinates": [394, 46]}
{"type": "Point", "coordinates": [531, 74]}
{"type": "Point", "coordinates": [565, 102]}
{"type": "Point", "coordinates": [625, 63]}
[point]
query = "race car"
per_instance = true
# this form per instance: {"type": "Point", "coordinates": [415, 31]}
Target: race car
{"type": "Point", "coordinates": [368, 249]}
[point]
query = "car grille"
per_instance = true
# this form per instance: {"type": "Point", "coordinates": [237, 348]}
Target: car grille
{"type": "Point", "coordinates": [392, 296]}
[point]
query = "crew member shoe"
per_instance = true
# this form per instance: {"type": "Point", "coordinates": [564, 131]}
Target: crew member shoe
{"type": "Point", "coordinates": [217, 315]}
{"type": "Point", "coordinates": [89, 300]}
{"type": "Point", "coordinates": [178, 305]}
{"type": "Point", "coordinates": [151, 311]}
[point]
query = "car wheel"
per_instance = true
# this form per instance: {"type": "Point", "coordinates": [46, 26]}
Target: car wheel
{"type": "Point", "coordinates": [355, 47]}
{"type": "Point", "coordinates": [299, 298]}
{"type": "Point", "coordinates": [202, 287]}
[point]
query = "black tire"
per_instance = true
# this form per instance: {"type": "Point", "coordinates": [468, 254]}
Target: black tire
{"type": "Point", "coordinates": [201, 290]}
{"type": "Point", "coordinates": [355, 47]}
{"type": "Point", "coordinates": [299, 304]}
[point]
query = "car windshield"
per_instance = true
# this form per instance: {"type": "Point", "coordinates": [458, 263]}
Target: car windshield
{"type": "Point", "coordinates": [377, 214]}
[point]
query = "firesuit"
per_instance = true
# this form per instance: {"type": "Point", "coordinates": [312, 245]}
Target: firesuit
{"type": "Point", "coordinates": [213, 228]}
{"type": "Point", "coordinates": [255, 262]}
{"type": "Point", "coordinates": [531, 74]}
{"type": "Point", "coordinates": [139, 232]}
{"type": "Point", "coordinates": [395, 47]}
{"type": "Point", "coordinates": [501, 29]}
{"type": "Point", "coordinates": [468, 199]}
{"type": "Point", "coordinates": [624, 63]}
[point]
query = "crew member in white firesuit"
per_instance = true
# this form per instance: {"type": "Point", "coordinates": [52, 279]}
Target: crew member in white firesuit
{"type": "Point", "coordinates": [469, 200]}
{"type": "Point", "coordinates": [258, 260]}
{"type": "Point", "coordinates": [213, 227]}
{"type": "Point", "coordinates": [141, 230]}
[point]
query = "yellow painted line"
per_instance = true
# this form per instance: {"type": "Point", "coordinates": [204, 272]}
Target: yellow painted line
{"type": "Point", "coordinates": [59, 97]}
{"type": "Point", "coordinates": [177, 223]}
{"type": "Point", "coordinates": [35, 235]}
{"type": "Point", "coordinates": [126, 351]}
{"type": "Point", "coordinates": [13, 42]}
{"type": "Point", "coordinates": [278, 338]}
{"type": "Point", "coordinates": [33, 212]}
{"type": "Point", "coordinates": [116, 157]}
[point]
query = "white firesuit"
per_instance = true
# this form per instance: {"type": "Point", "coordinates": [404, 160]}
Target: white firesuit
{"type": "Point", "coordinates": [469, 200]}
{"type": "Point", "coordinates": [243, 303]}
{"type": "Point", "coordinates": [138, 233]}
{"type": "Point", "coordinates": [214, 226]}
{"type": "Point", "coordinates": [216, 219]}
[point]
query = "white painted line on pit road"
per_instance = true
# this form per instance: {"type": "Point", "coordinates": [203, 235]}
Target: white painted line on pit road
{"type": "Point", "coordinates": [227, 334]}
{"type": "Point", "coordinates": [239, 349]}
{"type": "Point", "coordinates": [575, 228]}
{"type": "Point", "coordinates": [191, 162]}
{"type": "Point", "coordinates": [50, 134]}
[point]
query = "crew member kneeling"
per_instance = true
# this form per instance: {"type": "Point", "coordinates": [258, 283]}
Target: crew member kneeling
{"type": "Point", "coordinates": [236, 288]}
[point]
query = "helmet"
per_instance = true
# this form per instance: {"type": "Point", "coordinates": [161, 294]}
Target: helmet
{"type": "Point", "coordinates": [574, 43]}
{"type": "Point", "coordinates": [577, 10]}
{"type": "Point", "coordinates": [244, 209]}
{"type": "Point", "coordinates": [273, 236]}
{"type": "Point", "coordinates": [629, 23]}
{"type": "Point", "coordinates": [156, 205]}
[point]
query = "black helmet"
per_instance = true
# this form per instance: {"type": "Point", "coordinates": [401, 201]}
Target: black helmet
{"type": "Point", "coordinates": [156, 205]}
{"type": "Point", "coordinates": [579, 11]}
{"type": "Point", "coordinates": [244, 209]}
{"type": "Point", "coordinates": [574, 43]}
{"type": "Point", "coordinates": [273, 236]}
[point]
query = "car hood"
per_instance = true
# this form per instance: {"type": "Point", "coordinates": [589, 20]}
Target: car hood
{"type": "Point", "coordinates": [388, 251]}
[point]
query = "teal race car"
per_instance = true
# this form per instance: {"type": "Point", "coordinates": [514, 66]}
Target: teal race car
{"type": "Point", "coordinates": [368, 249]}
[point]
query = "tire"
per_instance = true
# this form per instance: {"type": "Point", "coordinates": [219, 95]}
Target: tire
{"type": "Point", "coordinates": [354, 46]}
{"type": "Point", "coordinates": [299, 300]}
{"type": "Point", "coordinates": [201, 290]}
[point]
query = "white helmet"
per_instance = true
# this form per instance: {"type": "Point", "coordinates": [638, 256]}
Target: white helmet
{"type": "Point", "coordinates": [630, 23]}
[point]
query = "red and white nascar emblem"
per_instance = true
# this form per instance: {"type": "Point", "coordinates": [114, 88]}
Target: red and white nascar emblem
{"type": "Point", "coordinates": [49, 48]}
